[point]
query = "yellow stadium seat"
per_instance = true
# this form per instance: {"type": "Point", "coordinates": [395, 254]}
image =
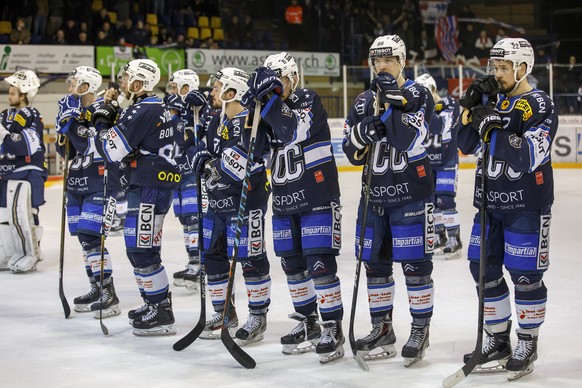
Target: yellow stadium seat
{"type": "Point", "coordinates": [112, 17]}
{"type": "Point", "coordinates": [96, 5]}
{"type": "Point", "coordinates": [218, 34]}
{"type": "Point", "coordinates": [203, 21]}
{"type": "Point", "coordinates": [193, 32]}
{"type": "Point", "coordinates": [5, 27]}
{"type": "Point", "coordinates": [152, 18]}
{"type": "Point", "coordinates": [205, 33]}
{"type": "Point", "coordinates": [215, 22]}
{"type": "Point", "coordinates": [154, 29]}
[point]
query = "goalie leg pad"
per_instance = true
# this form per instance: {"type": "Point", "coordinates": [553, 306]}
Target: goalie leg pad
{"type": "Point", "coordinates": [22, 225]}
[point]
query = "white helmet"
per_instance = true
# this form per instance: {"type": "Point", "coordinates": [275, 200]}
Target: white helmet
{"type": "Point", "coordinates": [427, 81]}
{"type": "Point", "coordinates": [387, 46]}
{"type": "Point", "coordinates": [144, 70]}
{"type": "Point", "coordinates": [283, 64]}
{"type": "Point", "coordinates": [88, 75]}
{"type": "Point", "coordinates": [232, 78]}
{"type": "Point", "coordinates": [184, 77]}
{"type": "Point", "coordinates": [516, 50]}
{"type": "Point", "coordinates": [25, 81]}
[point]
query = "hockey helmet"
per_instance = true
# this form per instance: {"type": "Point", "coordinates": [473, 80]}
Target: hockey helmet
{"type": "Point", "coordinates": [231, 78]}
{"type": "Point", "coordinates": [427, 81]}
{"type": "Point", "coordinates": [25, 81]}
{"type": "Point", "coordinates": [387, 46]}
{"type": "Point", "coordinates": [144, 70]}
{"type": "Point", "coordinates": [515, 50]}
{"type": "Point", "coordinates": [184, 77]}
{"type": "Point", "coordinates": [88, 75]}
{"type": "Point", "coordinates": [283, 64]}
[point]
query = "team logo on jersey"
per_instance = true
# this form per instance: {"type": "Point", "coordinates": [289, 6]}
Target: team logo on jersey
{"type": "Point", "coordinates": [15, 137]}
{"type": "Point", "coordinates": [524, 106]}
{"type": "Point", "coordinates": [224, 132]}
{"type": "Point", "coordinates": [319, 176]}
{"type": "Point", "coordinates": [505, 104]}
{"type": "Point", "coordinates": [544, 244]}
{"type": "Point", "coordinates": [539, 178]}
{"type": "Point", "coordinates": [514, 141]}
{"type": "Point", "coordinates": [19, 119]}
{"type": "Point", "coordinates": [421, 171]}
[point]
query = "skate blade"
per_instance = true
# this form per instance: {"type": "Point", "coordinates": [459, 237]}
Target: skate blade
{"type": "Point", "coordinates": [83, 308]}
{"type": "Point", "coordinates": [215, 334]}
{"type": "Point", "coordinates": [325, 358]}
{"type": "Point", "coordinates": [386, 351]}
{"type": "Point", "coordinates": [304, 347]}
{"type": "Point", "coordinates": [494, 366]}
{"type": "Point", "coordinates": [243, 342]}
{"type": "Point", "coordinates": [111, 311]}
{"type": "Point", "coordinates": [516, 375]}
{"type": "Point", "coordinates": [411, 361]}
{"type": "Point", "coordinates": [453, 256]}
{"type": "Point", "coordinates": [155, 331]}
{"type": "Point", "coordinates": [192, 286]}
{"type": "Point", "coordinates": [179, 282]}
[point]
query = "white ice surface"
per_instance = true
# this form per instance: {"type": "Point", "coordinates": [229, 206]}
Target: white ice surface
{"type": "Point", "coordinates": [39, 348]}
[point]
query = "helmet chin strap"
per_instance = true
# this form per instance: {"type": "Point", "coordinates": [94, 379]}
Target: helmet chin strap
{"type": "Point", "coordinates": [517, 81]}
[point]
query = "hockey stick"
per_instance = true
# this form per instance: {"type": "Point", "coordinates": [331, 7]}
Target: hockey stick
{"type": "Point", "coordinates": [64, 302]}
{"type": "Point", "coordinates": [369, 167]}
{"type": "Point", "coordinates": [466, 369]}
{"type": "Point", "coordinates": [189, 338]}
{"type": "Point", "coordinates": [240, 355]}
{"type": "Point", "coordinates": [104, 231]}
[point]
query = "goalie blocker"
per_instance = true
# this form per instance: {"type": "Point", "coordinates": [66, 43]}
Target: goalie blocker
{"type": "Point", "coordinates": [19, 236]}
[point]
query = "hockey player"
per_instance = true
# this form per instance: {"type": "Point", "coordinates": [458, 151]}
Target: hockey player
{"type": "Point", "coordinates": [223, 164]}
{"type": "Point", "coordinates": [399, 226]}
{"type": "Point", "coordinates": [185, 204]}
{"type": "Point", "coordinates": [143, 138]}
{"type": "Point", "coordinates": [519, 125]}
{"type": "Point", "coordinates": [306, 206]}
{"type": "Point", "coordinates": [85, 194]}
{"type": "Point", "coordinates": [22, 175]}
{"type": "Point", "coordinates": [444, 159]}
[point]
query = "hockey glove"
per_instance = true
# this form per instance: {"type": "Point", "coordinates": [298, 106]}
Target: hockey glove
{"type": "Point", "coordinates": [485, 120]}
{"type": "Point", "coordinates": [104, 117]}
{"type": "Point", "coordinates": [389, 91]}
{"type": "Point", "coordinates": [196, 98]}
{"type": "Point", "coordinates": [248, 99]}
{"type": "Point", "coordinates": [368, 131]}
{"type": "Point", "coordinates": [200, 159]}
{"type": "Point", "coordinates": [175, 102]}
{"type": "Point", "coordinates": [69, 107]}
{"type": "Point", "coordinates": [484, 86]}
{"type": "Point", "coordinates": [264, 81]}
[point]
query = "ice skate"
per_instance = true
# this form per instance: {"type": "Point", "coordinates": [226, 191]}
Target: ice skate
{"type": "Point", "coordinates": [138, 312]}
{"type": "Point", "coordinates": [495, 352]}
{"type": "Point", "coordinates": [157, 321]}
{"type": "Point", "coordinates": [83, 303]}
{"type": "Point", "coordinates": [306, 332]}
{"type": "Point", "coordinates": [454, 248]}
{"type": "Point", "coordinates": [414, 348]}
{"type": "Point", "coordinates": [188, 277]}
{"type": "Point", "coordinates": [214, 325]}
{"type": "Point", "coordinates": [253, 330]}
{"type": "Point", "coordinates": [440, 240]}
{"type": "Point", "coordinates": [331, 344]}
{"type": "Point", "coordinates": [522, 360]}
{"type": "Point", "coordinates": [382, 338]}
{"type": "Point", "coordinates": [22, 264]}
{"type": "Point", "coordinates": [117, 225]}
{"type": "Point", "coordinates": [107, 303]}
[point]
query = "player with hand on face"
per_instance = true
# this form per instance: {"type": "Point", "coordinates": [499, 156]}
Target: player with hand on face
{"type": "Point", "coordinates": [518, 123]}
{"type": "Point", "coordinates": [22, 175]}
{"type": "Point", "coordinates": [399, 222]}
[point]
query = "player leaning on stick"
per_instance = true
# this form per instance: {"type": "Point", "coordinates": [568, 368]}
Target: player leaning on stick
{"type": "Point", "coordinates": [399, 224]}
{"type": "Point", "coordinates": [84, 195]}
{"type": "Point", "coordinates": [519, 124]}
{"type": "Point", "coordinates": [22, 175]}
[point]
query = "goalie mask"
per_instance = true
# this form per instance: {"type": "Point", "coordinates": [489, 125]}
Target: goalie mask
{"type": "Point", "coordinates": [427, 81]}
{"type": "Point", "coordinates": [387, 46]}
{"type": "Point", "coordinates": [231, 78]}
{"type": "Point", "coordinates": [144, 70]}
{"type": "Point", "coordinates": [283, 64]}
{"type": "Point", "coordinates": [85, 75]}
{"type": "Point", "coordinates": [25, 81]}
{"type": "Point", "coordinates": [181, 78]}
{"type": "Point", "coordinates": [515, 50]}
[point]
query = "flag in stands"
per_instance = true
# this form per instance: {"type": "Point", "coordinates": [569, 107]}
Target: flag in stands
{"type": "Point", "coordinates": [445, 31]}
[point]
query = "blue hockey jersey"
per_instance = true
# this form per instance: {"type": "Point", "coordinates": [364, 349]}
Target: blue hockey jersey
{"type": "Point", "coordinates": [303, 169]}
{"type": "Point", "coordinates": [519, 173]}
{"type": "Point", "coordinates": [443, 129]}
{"type": "Point", "coordinates": [400, 168]}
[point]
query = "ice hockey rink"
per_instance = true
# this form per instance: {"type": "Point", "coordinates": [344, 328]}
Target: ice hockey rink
{"type": "Point", "coordinates": [40, 348]}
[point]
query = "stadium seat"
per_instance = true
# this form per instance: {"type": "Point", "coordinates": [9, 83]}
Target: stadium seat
{"type": "Point", "coordinates": [152, 19]}
{"type": "Point", "coordinates": [203, 21]}
{"type": "Point", "coordinates": [96, 5]}
{"type": "Point", "coordinates": [218, 34]}
{"type": "Point", "coordinates": [5, 27]}
{"type": "Point", "coordinates": [215, 22]}
{"type": "Point", "coordinates": [205, 33]}
{"type": "Point", "coordinates": [193, 32]}
{"type": "Point", "coordinates": [154, 29]}
{"type": "Point", "coordinates": [112, 17]}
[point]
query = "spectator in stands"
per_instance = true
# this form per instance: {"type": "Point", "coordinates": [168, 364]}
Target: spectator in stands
{"type": "Point", "coordinates": [427, 47]}
{"type": "Point", "coordinates": [483, 44]}
{"type": "Point", "coordinates": [572, 81]}
{"type": "Point", "coordinates": [467, 39]}
{"type": "Point", "coordinates": [250, 35]}
{"type": "Point", "coordinates": [99, 18]}
{"type": "Point", "coordinates": [20, 34]}
{"type": "Point", "coordinates": [125, 30]}
{"type": "Point", "coordinates": [59, 38]}
{"type": "Point", "coordinates": [40, 17]}
{"type": "Point", "coordinates": [71, 30]}
{"type": "Point", "coordinates": [294, 20]}
{"type": "Point", "coordinates": [138, 35]}
{"type": "Point", "coordinates": [235, 32]}
{"type": "Point", "coordinates": [83, 39]}
{"type": "Point", "coordinates": [123, 9]}
{"type": "Point", "coordinates": [108, 34]}
{"type": "Point", "coordinates": [500, 35]}
{"type": "Point", "coordinates": [55, 19]}
{"type": "Point", "coordinates": [25, 10]}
